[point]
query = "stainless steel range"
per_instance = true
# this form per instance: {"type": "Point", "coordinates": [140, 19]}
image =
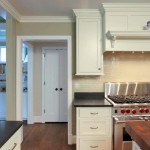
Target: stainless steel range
{"type": "Point", "coordinates": [131, 101]}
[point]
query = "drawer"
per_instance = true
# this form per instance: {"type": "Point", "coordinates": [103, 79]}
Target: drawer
{"type": "Point", "coordinates": [94, 144]}
{"type": "Point", "coordinates": [94, 112]}
{"type": "Point", "coordinates": [13, 143]}
{"type": "Point", "coordinates": [99, 127]}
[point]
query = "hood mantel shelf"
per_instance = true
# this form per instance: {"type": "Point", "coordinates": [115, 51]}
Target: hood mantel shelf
{"type": "Point", "coordinates": [113, 35]}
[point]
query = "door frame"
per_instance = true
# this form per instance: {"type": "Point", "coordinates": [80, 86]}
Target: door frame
{"type": "Point", "coordinates": [43, 89]}
{"type": "Point", "coordinates": [20, 40]}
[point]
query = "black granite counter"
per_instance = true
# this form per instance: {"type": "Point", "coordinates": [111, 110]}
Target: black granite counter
{"type": "Point", "coordinates": [7, 129]}
{"type": "Point", "coordinates": [91, 100]}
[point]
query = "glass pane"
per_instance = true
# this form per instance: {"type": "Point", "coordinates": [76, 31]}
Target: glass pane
{"type": "Point", "coordinates": [3, 55]}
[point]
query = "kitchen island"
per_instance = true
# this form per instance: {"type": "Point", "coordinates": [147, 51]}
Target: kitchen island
{"type": "Point", "coordinates": [140, 133]}
{"type": "Point", "coordinates": [8, 136]}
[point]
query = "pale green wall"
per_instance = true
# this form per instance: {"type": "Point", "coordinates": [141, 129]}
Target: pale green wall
{"type": "Point", "coordinates": [49, 29]}
{"type": "Point", "coordinates": [16, 29]}
{"type": "Point", "coordinates": [11, 68]}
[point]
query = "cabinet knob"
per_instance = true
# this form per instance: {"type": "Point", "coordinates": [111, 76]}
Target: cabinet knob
{"type": "Point", "coordinates": [99, 68]}
{"type": "Point", "coordinates": [56, 89]}
{"type": "Point", "coordinates": [61, 89]}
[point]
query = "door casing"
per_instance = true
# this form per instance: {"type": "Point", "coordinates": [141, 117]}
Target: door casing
{"type": "Point", "coordinates": [20, 40]}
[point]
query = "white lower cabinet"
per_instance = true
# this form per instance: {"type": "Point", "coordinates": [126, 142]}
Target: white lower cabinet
{"type": "Point", "coordinates": [135, 146]}
{"type": "Point", "coordinates": [94, 128]}
{"type": "Point", "coordinates": [93, 143]}
{"type": "Point", "coordinates": [14, 143]}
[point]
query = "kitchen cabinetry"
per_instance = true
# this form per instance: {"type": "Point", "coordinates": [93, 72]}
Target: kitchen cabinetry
{"type": "Point", "coordinates": [89, 59]}
{"type": "Point", "coordinates": [135, 146]}
{"type": "Point", "coordinates": [126, 23]}
{"type": "Point", "coordinates": [14, 143]}
{"type": "Point", "coordinates": [94, 128]}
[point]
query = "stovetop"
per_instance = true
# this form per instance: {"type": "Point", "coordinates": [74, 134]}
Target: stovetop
{"type": "Point", "coordinates": [129, 99]}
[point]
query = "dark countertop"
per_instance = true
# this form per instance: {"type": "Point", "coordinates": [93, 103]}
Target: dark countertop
{"type": "Point", "coordinates": [7, 129]}
{"type": "Point", "coordinates": [140, 133]}
{"type": "Point", "coordinates": [90, 100]}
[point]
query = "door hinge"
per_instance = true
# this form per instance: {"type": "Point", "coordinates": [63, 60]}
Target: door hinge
{"type": "Point", "coordinates": [44, 82]}
{"type": "Point", "coordinates": [44, 54]}
{"type": "Point", "coordinates": [44, 111]}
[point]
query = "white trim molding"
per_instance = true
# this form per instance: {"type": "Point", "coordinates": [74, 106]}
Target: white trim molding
{"type": "Point", "coordinates": [20, 40]}
{"type": "Point", "coordinates": [19, 17]}
{"type": "Point", "coordinates": [74, 139]}
{"type": "Point", "coordinates": [9, 8]}
{"type": "Point", "coordinates": [125, 7]}
{"type": "Point", "coordinates": [45, 19]}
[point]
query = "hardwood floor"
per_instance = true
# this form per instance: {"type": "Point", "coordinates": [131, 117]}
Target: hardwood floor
{"type": "Point", "coordinates": [49, 136]}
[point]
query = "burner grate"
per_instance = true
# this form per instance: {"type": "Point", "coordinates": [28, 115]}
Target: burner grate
{"type": "Point", "coordinates": [120, 99]}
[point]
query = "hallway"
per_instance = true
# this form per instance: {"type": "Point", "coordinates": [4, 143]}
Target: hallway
{"type": "Point", "coordinates": [48, 136]}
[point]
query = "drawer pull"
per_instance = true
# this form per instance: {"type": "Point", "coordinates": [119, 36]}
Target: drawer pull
{"type": "Point", "coordinates": [94, 113]}
{"type": "Point", "coordinates": [15, 144]}
{"type": "Point", "coordinates": [93, 127]}
{"type": "Point", "coordinates": [94, 146]}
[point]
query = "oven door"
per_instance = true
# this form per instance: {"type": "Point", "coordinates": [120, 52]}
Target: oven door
{"type": "Point", "coordinates": [121, 139]}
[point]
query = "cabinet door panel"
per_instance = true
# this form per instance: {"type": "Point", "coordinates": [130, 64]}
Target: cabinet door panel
{"type": "Point", "coordinates": [88, 47]}
{"type": "Point", "coordinates": [117, 22]}
{"type": "Point", "coordinates": [137, 22]}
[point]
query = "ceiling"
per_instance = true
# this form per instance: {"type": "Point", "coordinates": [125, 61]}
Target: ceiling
{"type": "Point", "coordinates": [61, 8]}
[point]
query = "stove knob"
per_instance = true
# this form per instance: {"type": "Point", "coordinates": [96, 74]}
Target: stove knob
{"type": "Point", "coordinates": [123, 111]}
{"type": "Point", "coordinates": [128, 111]}
{"type": "Point", "coordinates": [141, 110]}
{"type": "Point", "coordinates": [146, 110]}
{"type": "Point", "coordinates": [133, 111]}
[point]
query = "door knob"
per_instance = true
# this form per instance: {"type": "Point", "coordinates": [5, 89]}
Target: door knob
{"type": "Point", "coordinates": [61, 89]}
{"type": "Point", "coordinates": [56, 89]}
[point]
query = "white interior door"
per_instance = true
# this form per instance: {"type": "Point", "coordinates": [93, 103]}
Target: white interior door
{"type": "Point", "coordinates": [55, 87]}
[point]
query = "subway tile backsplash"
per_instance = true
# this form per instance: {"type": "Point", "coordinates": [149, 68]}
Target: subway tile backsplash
{"type": "Point", "coordinates": [118, 67]}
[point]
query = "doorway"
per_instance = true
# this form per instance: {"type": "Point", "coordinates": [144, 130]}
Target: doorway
{"type": "Point", "coordinates": [55, 87]}
{"type": "Point", "coordinates": [20, 40]}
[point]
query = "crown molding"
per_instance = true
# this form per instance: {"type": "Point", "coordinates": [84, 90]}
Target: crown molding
{"type": "Point", "coordinates": [125, 7]}
{"type": "Point", "coordinates": [9, 8]}
{"type": "Point", "coordinates": [46, 19]}
{"type": "Point", "coordinates": [87, 12]}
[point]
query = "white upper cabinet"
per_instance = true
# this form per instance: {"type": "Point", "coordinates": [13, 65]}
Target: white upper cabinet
{"type": "Point", "coordinates": [88, 42]}
{"type": "Point", "coordinates": [125, 27]}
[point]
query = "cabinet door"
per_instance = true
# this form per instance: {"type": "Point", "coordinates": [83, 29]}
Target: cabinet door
{"type": "Point", "coordinates": [88, 46]}
{"type": "Point", "coordinates": [14, 142]}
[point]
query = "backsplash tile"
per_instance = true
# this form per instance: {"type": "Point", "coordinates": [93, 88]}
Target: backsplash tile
{"type": "Point", "coordinates": [118, 67]}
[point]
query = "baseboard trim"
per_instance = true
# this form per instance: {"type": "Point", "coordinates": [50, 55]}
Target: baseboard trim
{"type": "Point", "coordinates": [73, 139]}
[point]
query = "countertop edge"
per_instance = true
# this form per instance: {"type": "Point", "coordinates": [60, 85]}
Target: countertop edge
{"type": "Point", "coordinates": [10, 135]}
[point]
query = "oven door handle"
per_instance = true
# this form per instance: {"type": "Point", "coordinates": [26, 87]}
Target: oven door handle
{"type": "Point", "coordinates": [116, 121]}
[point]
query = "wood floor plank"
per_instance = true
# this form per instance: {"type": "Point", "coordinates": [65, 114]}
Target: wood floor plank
{"type": "Point", "coordinates": [48, 136]}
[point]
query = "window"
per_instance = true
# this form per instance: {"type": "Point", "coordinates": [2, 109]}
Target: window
{"type": "Point", "coordinates": [3, 54]}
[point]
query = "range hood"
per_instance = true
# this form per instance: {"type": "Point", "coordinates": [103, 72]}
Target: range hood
{"type": "Point", "coordinates": [127, 35]}
{"type": "Point", "coordinates": [125, 27]}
